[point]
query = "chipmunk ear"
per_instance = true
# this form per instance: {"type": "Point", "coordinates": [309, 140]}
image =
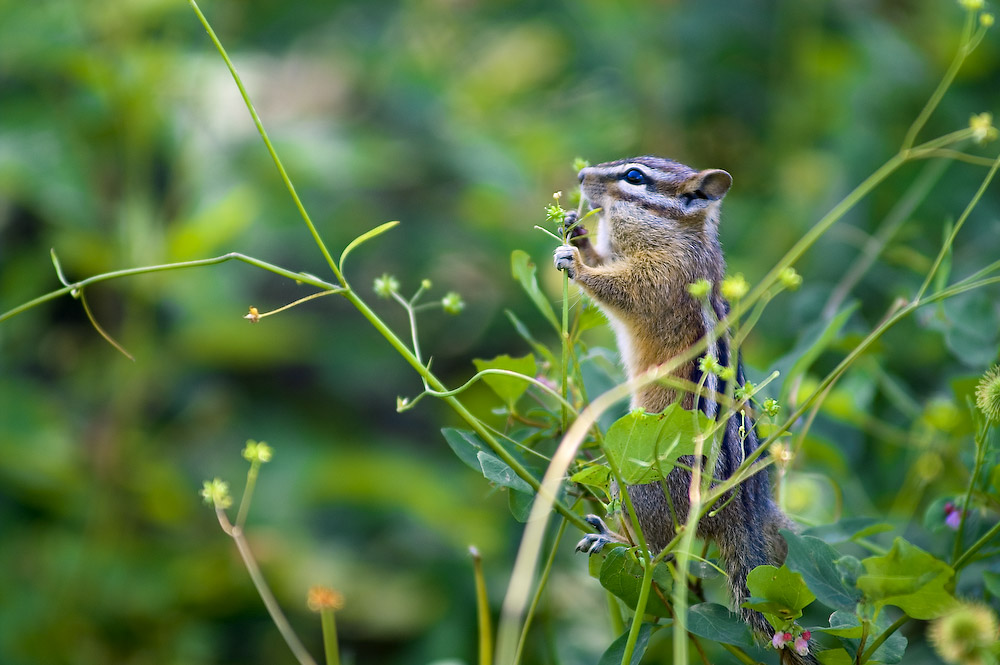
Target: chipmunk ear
{"type": "Point", "coordinates": [712, 184]}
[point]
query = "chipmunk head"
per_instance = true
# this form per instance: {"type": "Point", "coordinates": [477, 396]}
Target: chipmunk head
{"type": "Point", "coordinates": [651, 202]}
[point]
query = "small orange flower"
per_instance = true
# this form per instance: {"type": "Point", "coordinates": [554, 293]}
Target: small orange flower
{"type": "Point", "coordinates": [324, 598]}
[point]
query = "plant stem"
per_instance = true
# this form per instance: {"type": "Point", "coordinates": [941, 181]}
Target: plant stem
{"type": "Point", "coordinates": [270, 602]}
{"type": "Point", "coordinates": [886, 634]}
{"type": "Point", "coordinates": [501, 372]}
{"type": "Point", "coordinates": [740, 655]}
{"type": "Point", "coordinates": [329, 624]}
{"type": "Point", "coordinates": [457, 405]}
{"type": "Point", "coordinates": [180, 265]}
{"type": "Point", "coordinates": [958, 226]}
{"type": "Point", "coordinates": [640, 610]}
{"type": "Point", "coordinates": [482, 610]}
{"type": "Point", "coordinates": [267, 142]}
{"type": "Point", "coordinates": [615, 614]}
{"type": "Point", "coordinates": [946, 81]}
{"type": "Point", "coordinates": [241, 515]}
{"type": "Point", "coordinates": [876, 243]}
{"type": "Point", "coordinates": [823, 225]}
{"type": "Point", "coordinates": [566, 343]}
{"type": "Point", "coordinates": [542, 581]}
{"type": "Point", "coordinates": [978, 545]}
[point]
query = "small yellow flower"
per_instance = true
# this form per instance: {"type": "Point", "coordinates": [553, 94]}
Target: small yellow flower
{"type": "Point", "coordinates": [257, 452]}
{"type": "Point", "coordinates": [324, 598]}
{"type": "Point", "coordinates": [745, 391]}
{"type": "Point", "coordinates": [781, 453]}
{"type": "Point", "coordinates": [735, 287]}
{"type": "Point", "coordinates": [216, 492]}
{"type": "Point", "coordinates": [986, 20]}
{"type": "Point", "coordinates": [555, 213]}
{"type": "Point", "coordinates": [965, 636]}
{"type": "Point", "coordinates": [386, 285]}
{"type": "Point", "coordinates": [700, 289]}
{"type": "Point", "coordinates": [771, 406]}
{"type": "Point", "coordinates": [988, 394]}
{"type": "Point", "coordinates": [709, 364]}
{"type": "Point", "coordinates": [790, 279]}
{"type": "Point", "coordinates": [982, 127]}
{"type": "Point", "coordinates": [253, 316]}
{"type": "Point", "coordinates": [972, 5]}
{"type": "Point", "coordinates": [452, 303]}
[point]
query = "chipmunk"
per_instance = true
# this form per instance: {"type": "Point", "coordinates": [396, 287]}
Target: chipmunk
{"type": "Point", "coordinates": [658, 233]}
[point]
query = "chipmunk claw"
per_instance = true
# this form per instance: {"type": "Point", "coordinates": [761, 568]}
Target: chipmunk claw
{"type": "Point", "coordinates": [565, 258]}
{"type": "Point", "coordinates": [592, 543]}
{"type": "Point", "coordinates": [568, 228]}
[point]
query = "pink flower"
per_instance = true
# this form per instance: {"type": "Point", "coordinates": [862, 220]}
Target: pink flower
{"type": "Point", "coordinates": [780, 639]}
{"type": "Point", "coordinates": [802, 644]}
{"type": "Point", "coordinates": [953, 516]}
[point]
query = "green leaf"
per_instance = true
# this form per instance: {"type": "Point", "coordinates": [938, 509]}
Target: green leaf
{"type": "Point", "coordinates": [844, 624]}
{"type": "Point", "coordinates": [715, 622]}
{"type": "Point", "coordinates": [704, 570]}
{"type": "Point", "coordinates": [992, 583]}
{"type": "Point", "coordinates": [589, 315]}
{"type": "Point", "coordinates": [524, 272]}
{"type": "Point", "coordinates": [596, 475]}
{"type": "Point", "coordinates": [834, 657]}
{"type": "Point", "coordinates": [816, 561]}
{"type": "Point", "coordinates": [526, 335]}
{"type": "Point", "coordinates": [596, 561]}
{"type": "Point", "coordinates": [498, 471]}
{"type": "Point", "coordinates": [466, 445]}
{"type": "Point", "coordinates": [615, 652]}
{"type": "Point", "coordinates": [477, 455]}
{"type": "Point", "coordinates": [645, 446]}
{"type": "Point", "coordinates": [847, 627]}
{"type": "Point", "coordinates": [846, 530]}
{"type": "Point", "coordinates": [778, 592]}
{"type": "Point", "coordinates": [601, 372]}
{"type": "Point", "coordinates": [520, 504]}
{"type": "Point", "coordinates": [364, 237]}
{"type": "Point", "coordinates": [621, 574]}
{"type": "Point", "coordinates": [909, 578]}
{"type": "Point", "coordinates": [663, 577]}
{"type": "Point", "coordinates": [871, 530]}
{"type": "Point", "coordinates": [508, 388]}
{"type": "Point", "coordinates": [850, 570]}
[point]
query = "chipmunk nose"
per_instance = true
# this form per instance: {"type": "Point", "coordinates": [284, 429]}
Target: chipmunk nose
{"type": "Point", "coordinates": [581, 175]}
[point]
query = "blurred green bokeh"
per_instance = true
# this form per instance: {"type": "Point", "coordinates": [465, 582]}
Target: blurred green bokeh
{"type": "Point", "coordinates": [123, 142]}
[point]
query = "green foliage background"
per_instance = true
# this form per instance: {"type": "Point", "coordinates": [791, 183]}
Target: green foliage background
{"type": "Point", "coordinates": [123, 142]}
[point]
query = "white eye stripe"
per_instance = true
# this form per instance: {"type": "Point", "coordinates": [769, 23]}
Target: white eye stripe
{"type": "Point", "coordinates": [662, 204]}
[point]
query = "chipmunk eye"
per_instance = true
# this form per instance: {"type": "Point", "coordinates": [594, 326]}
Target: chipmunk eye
{"type": "Point", "coordinates": [635, 177]}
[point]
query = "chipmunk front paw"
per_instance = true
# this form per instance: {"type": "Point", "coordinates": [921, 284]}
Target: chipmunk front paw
{"type": "Point", "coordinates": [565, 258]}
{"type": "Point", "coordinates": [593, 543]}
